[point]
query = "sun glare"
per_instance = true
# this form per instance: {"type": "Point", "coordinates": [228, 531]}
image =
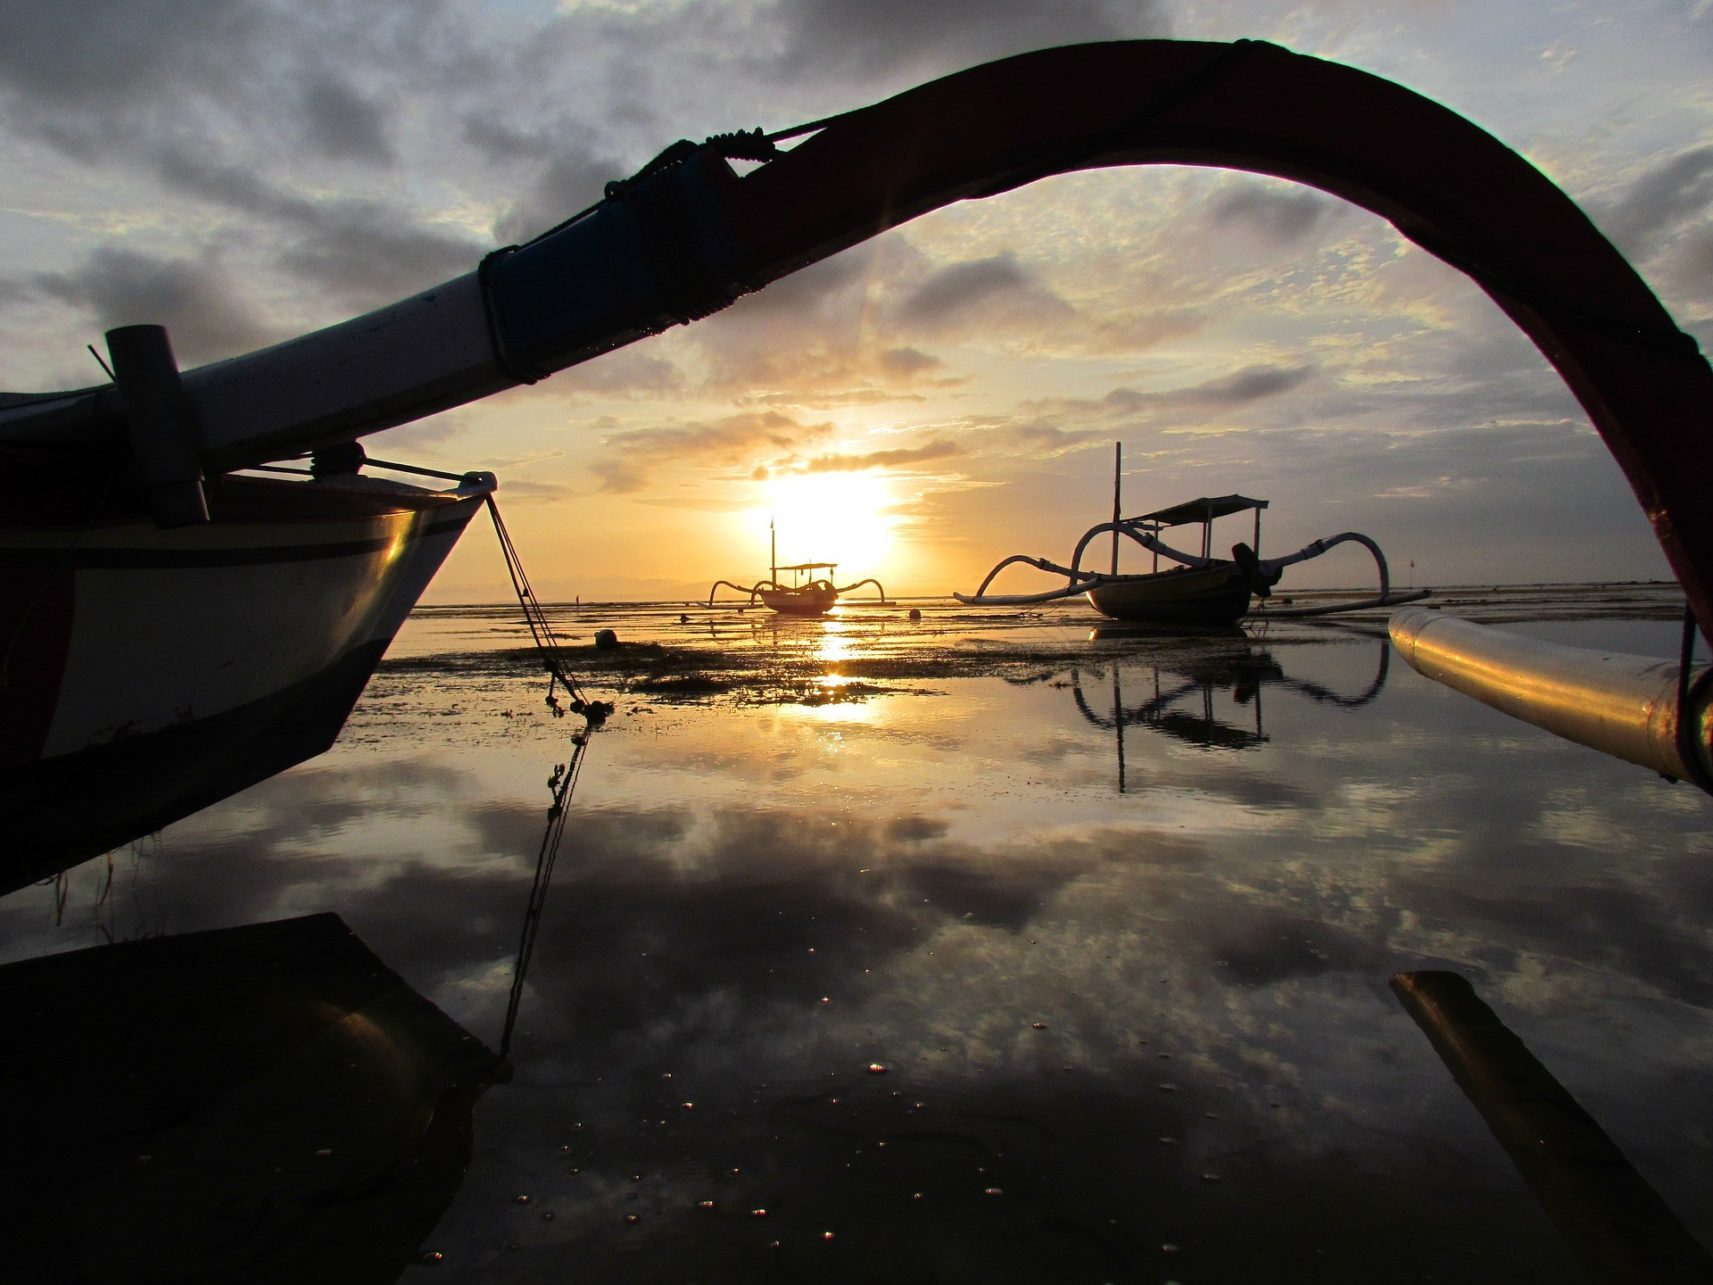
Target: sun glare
{"type": "Point", "coordinates": [831, 517]}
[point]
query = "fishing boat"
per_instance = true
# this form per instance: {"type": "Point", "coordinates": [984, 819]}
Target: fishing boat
{"type": "Point", "coordinates": [1211, 592]}
{"type": "Point", "coordinates": [1201, 590]}
{"type": "Point", "coordinates": [150, 671]}
{"type": "Point", "coordinates": [805, 594]}
{"type": "Point", "coordinates": [687, 235]}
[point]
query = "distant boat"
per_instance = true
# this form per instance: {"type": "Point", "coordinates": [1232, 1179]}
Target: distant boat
{"type": "Point", "coordinates": [805, 595]}
{"type": "Point", "coordinates": [1202, 591]}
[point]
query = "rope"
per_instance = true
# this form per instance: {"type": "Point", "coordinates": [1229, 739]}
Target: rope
{"type": "Point", "coordinates": [509, 367]}
{"type": "Point", "coordinates": [564, 778]}
{"type": "Point", "coordinates": [539, 627]}
{"type": "Point", "coordinates": [810, 127]}
{"type": "Point", "coordinates": [562, 782]}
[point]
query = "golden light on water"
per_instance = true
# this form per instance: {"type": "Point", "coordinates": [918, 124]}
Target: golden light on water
{"type": "Point", "coordinates": [836, 644]}
{"type": "Point", "coordinates": [831, 517]}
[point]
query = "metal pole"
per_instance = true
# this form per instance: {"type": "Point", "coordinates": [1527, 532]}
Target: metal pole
{"type": "Point", "coordinates": [1117, 512]}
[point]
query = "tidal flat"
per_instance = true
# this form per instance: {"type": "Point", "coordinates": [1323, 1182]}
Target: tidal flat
{"type": "Point", "coordinates": [994, 945]}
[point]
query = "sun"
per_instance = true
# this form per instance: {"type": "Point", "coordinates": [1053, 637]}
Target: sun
{"type": "Point", "coordinates": [831, 517]}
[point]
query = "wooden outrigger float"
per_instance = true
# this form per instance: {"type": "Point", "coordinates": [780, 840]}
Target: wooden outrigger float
{"type": "Point", "coordinates": [1202, 590]}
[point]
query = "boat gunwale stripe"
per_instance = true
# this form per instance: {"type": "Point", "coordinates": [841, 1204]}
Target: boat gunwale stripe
{"type": "Point", "coordinates": [88, 558]}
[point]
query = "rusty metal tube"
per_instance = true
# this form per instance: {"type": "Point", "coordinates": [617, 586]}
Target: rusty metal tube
{"type": "Point", "coordinates": [1625, 706]}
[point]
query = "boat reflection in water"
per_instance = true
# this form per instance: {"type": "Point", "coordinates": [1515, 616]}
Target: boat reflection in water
{"type": "Point", "coordinates": [266, 1103]}
{"type": "Point", "coordinates": [1211, 698]}
{"type": "Point", "coordinates": [261, 1103]}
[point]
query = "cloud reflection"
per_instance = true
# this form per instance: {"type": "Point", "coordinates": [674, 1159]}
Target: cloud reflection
{"type": "Point", "coordinates": [1086, 1000]}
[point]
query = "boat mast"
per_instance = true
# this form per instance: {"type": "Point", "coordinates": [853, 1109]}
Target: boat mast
{"type": "Point", "coordinates": [1117, 516]}
{"type": "Point", "coordinates": [772, 552]}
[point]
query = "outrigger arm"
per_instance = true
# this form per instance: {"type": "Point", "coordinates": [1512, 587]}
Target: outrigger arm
{"type": "Point", "coordinates": [688, 235]}
{"type": "Point", "coordinates": [1385, 598]}
{"type": "Point", "coordinates": [1263, 573]}
{"type": "Point", "coordinates": [753, 593]}
{"type": "Point", "coordinates": [879, 588]}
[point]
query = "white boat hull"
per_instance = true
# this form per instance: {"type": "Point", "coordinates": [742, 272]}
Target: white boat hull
{"type": "Point", "coordinates": [152, 672]}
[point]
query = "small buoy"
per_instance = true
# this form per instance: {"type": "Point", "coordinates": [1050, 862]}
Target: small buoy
{"type": "Point", "coordinates": [606, 640]}
{"type": "Point", "coordinates": [683, 618]}
{"type": "Point", "coordinates": [915, 613]}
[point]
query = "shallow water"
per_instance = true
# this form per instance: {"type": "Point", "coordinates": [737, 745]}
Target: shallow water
{"type": "Point", "coordinates": [981, 948]}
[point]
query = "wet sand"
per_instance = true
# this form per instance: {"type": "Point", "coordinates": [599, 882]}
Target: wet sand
{"type": "Point", "coordinates": [689, 653]}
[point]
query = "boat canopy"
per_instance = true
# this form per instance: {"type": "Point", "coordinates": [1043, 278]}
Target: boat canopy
{"type": "Point", "coordinates": [1206, 509]}
{"type": "Point", "coordinates": [808, 566]}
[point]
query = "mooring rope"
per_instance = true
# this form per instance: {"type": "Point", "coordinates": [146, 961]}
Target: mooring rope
{"type": "Point", "coordinates": [562, 782]}
{"type": "Point", "coordinates": [546, 642]}
{"type": "Point", "coordinates": [564, 778]}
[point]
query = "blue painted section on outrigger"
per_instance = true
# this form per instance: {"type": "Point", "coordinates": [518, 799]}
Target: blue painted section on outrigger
{"type": "Point", "coordinates": [656, 256]}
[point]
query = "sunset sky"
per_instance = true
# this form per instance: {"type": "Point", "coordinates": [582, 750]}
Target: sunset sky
{"type": "Point", "coordinates": [930, 401]}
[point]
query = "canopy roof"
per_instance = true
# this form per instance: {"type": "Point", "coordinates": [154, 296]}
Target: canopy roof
{"type": "Point", "coordinates": [807, 566]}
{"type": "Point", "coordinates": [1206, 509]}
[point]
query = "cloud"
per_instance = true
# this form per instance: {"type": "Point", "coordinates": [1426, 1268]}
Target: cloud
{"type": "Point", "coordinates": [953, 292]}
{"type": "Point", "coordinates": [94, 56]}
{"type": "Point", "coordinates": [907, 362]}
{"type": "Point", "coordinates": [630, 460]}
{"type": "Point", "coordinates": [1283, 216]}
{"type": "Point", "coordinates": [638, 370]}
{"type": "Point", "coordinates": [365, 253]}
{"type": "Point", "coordinates": [344, 125]}
{"type": "Point", "coordinates": [100, 79]}
{"type": "Point", "coordinates": [1247, 386]}
{"type": "Point", "coordinates": [937, 450]}
{"type": "Point", "coordinates": [361, 251]}
{"type": "Point", "coordinates": [1251, 384]}
{"type": "Point", "coordinates": [915, 38]}
{"type": "Point", "coordinates": [1671, 193]}
{"type": "Point", "coordinates": [198, 300]}
{"type": "Point", "coordinates": [820, 337]}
